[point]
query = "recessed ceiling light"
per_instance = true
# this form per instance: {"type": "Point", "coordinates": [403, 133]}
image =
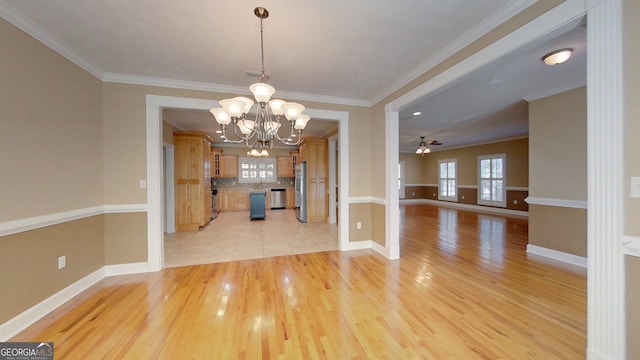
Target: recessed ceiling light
{"type": "Point", "coordinates": [417, 113]}
{"type": "Point", "coordinates": [557, 57]}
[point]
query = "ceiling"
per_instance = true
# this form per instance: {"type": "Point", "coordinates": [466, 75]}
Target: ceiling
{"type": "Point", "coordinates": [344, 52]}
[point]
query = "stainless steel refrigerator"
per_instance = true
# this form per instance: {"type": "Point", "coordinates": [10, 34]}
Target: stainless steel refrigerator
{"type": "Point", "coordinates": [301, 192]}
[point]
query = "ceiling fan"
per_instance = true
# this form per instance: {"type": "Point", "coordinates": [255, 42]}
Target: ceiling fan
{"type": "Point", "coordinates": [423, 147]}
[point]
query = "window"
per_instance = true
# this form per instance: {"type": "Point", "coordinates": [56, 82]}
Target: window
{"type": "Point", "coordinates": [401, 179]}
{"type": "Point", "coordinates": [492, 180]}
{"type": "Point", "coordinates": [257, 170]}
{"type": "Point", "coordinates": [447, 184]}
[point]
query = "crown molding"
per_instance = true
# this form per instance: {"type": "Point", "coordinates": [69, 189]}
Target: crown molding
{"type": "Point", "coordinates": [17, 19]}
{"type": "Point", "coordinates": [499, 17]}
{"type": "Point", "coordinates": [239, 90]}
{"type": "Point", "coordinates": [22, 23]}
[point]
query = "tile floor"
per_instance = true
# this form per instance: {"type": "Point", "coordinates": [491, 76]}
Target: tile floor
{"type": "Point", "coordinates": [232, 236]}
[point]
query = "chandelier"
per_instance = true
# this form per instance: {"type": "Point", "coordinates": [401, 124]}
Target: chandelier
{"type": "Point", "coordinates": [260, 133]}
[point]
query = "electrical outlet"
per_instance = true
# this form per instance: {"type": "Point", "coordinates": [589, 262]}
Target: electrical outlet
{"type": "Point", "coordinates": [434, 194]}
{"type": "Point", "coordinates": [143, 184]}
{"type": "Point", "coordinates": [462, 197]}
{"type": "Point", "coordinates": [413, 193]}
{"type": "Point", "coordinates": [359, 225]}
{"type": "Point", "coordinates": [515, 202]}
{"type": "Point", "coordinates": [62, 261]}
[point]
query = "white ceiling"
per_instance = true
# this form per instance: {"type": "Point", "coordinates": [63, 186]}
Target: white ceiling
{"type": "Point", "coordinates": [344, 52]}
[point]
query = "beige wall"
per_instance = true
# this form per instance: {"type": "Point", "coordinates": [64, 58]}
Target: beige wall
{"type": "Point", "coordinates": [360, 213]}
{"type": "Point", "coordinates": [51, 130]}
{"type": "Point", "coordinates": [467, 162]}
{"type": "Point", "coordinates": [167, 132]}
{"type": "Point", "coordinates": [51, 160]}
{"type": "Point", "coordinates": [29, 262]}
{"type": "Point", "coordinates": [123, 234]}
{"type": "Point", "coordinates": [632, 166]}
{"type": "Point", "coordinates": [413, 168]}
{"type": "Point", "coordinates": [125, 139]}
{"type": "Point", "coordinates": [372, 218]}
{"type": "Point", "coordinates": [558, 228]}
{"type": "Point", "coordinates": [558, 163]}
{"type": "Point", "coordinates": [558, 146]}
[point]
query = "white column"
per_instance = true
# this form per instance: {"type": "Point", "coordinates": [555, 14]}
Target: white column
{"type": "Point", "coordinates": [606, 276]}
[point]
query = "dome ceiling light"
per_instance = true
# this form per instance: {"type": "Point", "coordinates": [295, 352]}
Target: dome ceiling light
{"type": "Point", "coordinates": [557, 57]}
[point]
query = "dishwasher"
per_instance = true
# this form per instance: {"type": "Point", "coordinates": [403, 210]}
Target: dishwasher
{"type": "Point", "coordinates": [278, 199]}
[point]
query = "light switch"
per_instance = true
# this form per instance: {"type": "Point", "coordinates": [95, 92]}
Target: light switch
{"type": "Point", "coordinates": [143, 184]}
{"type": "Point", "coordinates": [635, 187]}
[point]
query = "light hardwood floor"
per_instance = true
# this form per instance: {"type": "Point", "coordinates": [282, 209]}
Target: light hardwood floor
{"type": "Point", "coordinates": [463, 288]}
{"type": "Point", "coordinates": [233, 236]}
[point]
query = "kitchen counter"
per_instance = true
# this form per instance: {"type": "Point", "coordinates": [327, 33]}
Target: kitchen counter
{"type": "Point", "coordinates": [238, 198]}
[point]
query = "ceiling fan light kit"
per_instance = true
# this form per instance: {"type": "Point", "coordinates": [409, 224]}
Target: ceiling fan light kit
{"type": "Point", "coordinates": [557, 57]}
{"type": "Point", "coordinates": [260, 133]}
{"type": "Point", "coordinates": [423, 147]}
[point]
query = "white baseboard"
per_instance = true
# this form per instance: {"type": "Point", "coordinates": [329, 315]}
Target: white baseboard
{"type": "Point", "coordinates": [631, 245]}
{"type": "Point", "coordinates": [368, 244]}
{"type": "Point", "coordinates": [359, 245]}
{"type": "Point", "coordinates": [126, 269]}
{"type": "Point", "coordinates": [557, 255]}
{"type": "Point", "coordinates": [38, 311]}
{"type": "Point", "coordinates": [379, 249]}
{"type": "Point", "coordinates": [478, 208]}
{"type": "Point", "coordinates": [12, 327]}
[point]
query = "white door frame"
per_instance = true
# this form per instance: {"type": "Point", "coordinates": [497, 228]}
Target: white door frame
{"type": "Point", "coordinates": [169, 190]}
{"type": "Point", "coordinates": [401, 194]}
{"type": "Point", "coordinates": [155, 221]}
{"type": "Point", "coordinates": [332, 178]}
{"type": "Point", "coordinates": [606, 336]}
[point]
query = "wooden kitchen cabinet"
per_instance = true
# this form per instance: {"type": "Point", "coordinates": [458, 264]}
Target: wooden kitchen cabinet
{"type": "Point", "coordinates": [285, 167]}
{"type": "Point", "coordinates": [314, 152]}
{"type": "Point", "coordinates": [291, 198]}
{"type": "Point", "coordinates": [228, 166]}
{"type": "Point", "coordinates": [192, 180]}
{"type": "Point", "coordinates": [215, 162]}
{"type": "Point", "coordinates": [233, 200]}
{"type": "Point", "coordinates": [294, 161]}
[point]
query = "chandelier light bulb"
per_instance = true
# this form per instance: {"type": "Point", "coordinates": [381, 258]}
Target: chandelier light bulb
{"type": "Point", "coordinates": [246, 126]}
{"type": "Point", "coordinates": [221, 116]}
{"type": "Point", "coordinates": [262, 92]}
{"type": "Point", "coordinates": [301, 121]}
{"type": "Point", "coordinates": [276, 106]}
{"type": "Point", "coordinates": [233, 107]}
{"type": "Point", "coordinates": [248, 103]}
{"type": "Point", "coordinates": [292, 110]}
